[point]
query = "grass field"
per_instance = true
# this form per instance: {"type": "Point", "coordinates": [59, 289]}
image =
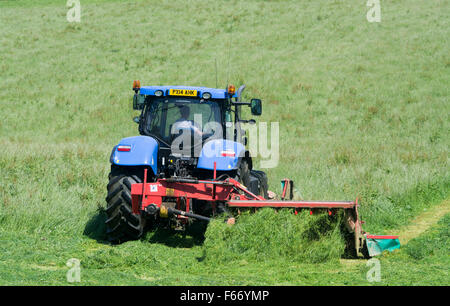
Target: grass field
{"type": "Point", "coordinates": [363, 110]}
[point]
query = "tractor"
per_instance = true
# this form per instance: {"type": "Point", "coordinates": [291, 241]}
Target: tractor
{"type": "Point", "coordinates": [172, 144]}
{"type": "Point", "coordinates": [190, 163]}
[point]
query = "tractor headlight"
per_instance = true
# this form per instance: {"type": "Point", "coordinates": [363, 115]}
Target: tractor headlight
{"type": "Point", "coordinates": [159, 93]}
{"type": "Point", "coordinates": [206, 95]}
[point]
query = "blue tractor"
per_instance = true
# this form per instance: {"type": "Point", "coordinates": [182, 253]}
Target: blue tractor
{"type": "Point", "coordinates": [185, 133]}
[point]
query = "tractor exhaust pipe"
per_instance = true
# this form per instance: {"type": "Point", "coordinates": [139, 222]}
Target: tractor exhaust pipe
{"type": "Point", "coordinates": [239, 92]}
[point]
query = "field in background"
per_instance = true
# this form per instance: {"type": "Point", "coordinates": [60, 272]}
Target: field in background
{"type": "Point", "coordinates": [363, 111]}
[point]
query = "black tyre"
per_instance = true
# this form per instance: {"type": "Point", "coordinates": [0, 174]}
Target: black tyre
{"type": "Point", "coordinates": [244, 173]}
{"type": "Point", "coordinates": [254, 180]}
{"type": "Point", "coordinates": [121, 224]}
{"type": "Point", "coordinates": [263, 184]}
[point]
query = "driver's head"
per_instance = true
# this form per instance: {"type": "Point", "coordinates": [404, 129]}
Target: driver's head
{"type": "Point", "coordinates": [185, 111]}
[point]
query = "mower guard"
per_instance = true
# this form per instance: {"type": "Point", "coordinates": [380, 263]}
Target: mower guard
{"type": "Point", "coordinates": [376, 244]}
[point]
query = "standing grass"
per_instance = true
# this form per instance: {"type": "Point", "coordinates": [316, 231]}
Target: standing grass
{"type": "Point", "coordinates": [363, 111]}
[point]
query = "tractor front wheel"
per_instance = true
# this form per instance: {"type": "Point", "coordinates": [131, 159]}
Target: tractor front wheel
{"type": "Point", "coordinates": [121, 224]}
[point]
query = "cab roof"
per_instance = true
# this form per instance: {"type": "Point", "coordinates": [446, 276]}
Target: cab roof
{"type": "Point", "coordinates": [216, 93]}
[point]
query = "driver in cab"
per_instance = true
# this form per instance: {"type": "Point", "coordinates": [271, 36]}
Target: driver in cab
{"type": "Point", "coordinates": [183, 123]}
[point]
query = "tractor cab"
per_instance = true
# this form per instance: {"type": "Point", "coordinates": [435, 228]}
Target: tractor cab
{"type": "Point", "coordinates": [183, 120]}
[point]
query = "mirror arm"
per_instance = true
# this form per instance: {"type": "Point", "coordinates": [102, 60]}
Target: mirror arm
{"type": "Point", "coordinates": [251, 121]}
{"type": "Point", "coordinates": [242, 103]}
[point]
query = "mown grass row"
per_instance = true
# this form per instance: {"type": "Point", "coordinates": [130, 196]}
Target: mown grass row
{"type": "Point", "coordinates": [423, 261]}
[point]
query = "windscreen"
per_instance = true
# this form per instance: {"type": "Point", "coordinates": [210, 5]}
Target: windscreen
{"type": "Point", "coordinates": [166, 116]}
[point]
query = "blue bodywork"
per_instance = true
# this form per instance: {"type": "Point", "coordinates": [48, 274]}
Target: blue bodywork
{"type": "Point", "coordinates": [215, 92]}
{"type": "Point", "coordinates": [144, 152]}
{"type": "Point", "coordinates": [212, 152]}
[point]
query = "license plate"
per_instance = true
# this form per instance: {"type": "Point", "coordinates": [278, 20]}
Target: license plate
{"type": "Point", "coordinates": [183, 92]}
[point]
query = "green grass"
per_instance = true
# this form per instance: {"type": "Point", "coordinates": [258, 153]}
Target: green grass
{"type": "Point", "coordinates": [363, 111]}
{"type": "Point", "coordinates": [435, 243]}
{"type": "Point", "coordinates": [271, 234]}
{"type": "Point", "coordinates": [423, 261]}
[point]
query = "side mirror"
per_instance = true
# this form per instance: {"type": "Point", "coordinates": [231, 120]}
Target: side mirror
{"type": "Point", "coordinates": [138, 102]}
{"type": "Point", "coordinates": [256, 107]}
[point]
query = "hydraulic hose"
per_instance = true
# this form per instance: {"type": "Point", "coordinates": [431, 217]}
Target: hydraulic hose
{"type": "Point", "coordinates": [187, 214]}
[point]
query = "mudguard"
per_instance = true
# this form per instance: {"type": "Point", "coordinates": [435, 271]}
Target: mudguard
{"type": "Point", "coordinates": [225, 153]}
{"type": "Point", "coordinates": [142, 151]}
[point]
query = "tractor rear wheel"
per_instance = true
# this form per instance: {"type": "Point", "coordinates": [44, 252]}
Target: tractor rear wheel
{"type": "Point", "coordinates": [263, 184]}
{"type": "Point", "coordinates": [254, 180]}
{"type": "Point", "coordinates": [244, 173]}
{"type": "Point", "coordinates": [121, 224]}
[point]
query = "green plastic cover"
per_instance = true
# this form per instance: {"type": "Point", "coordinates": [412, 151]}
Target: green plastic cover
{"type": "Point", "coordinates": [377, 246]}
